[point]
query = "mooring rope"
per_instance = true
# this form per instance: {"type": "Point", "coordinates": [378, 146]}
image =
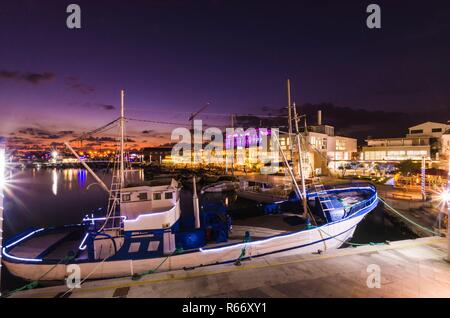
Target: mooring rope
{"type": "Point", "coordinates": [151, 271]}
{"type": "Point", "coordinates": [33, 284]}
{"type": "Point", "coordinates": [407, 219]}
{"type": "Point", "coordinates": [246, 240]}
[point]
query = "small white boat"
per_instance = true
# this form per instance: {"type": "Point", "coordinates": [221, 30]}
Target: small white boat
{"type": "Point", "coordinates": [221, 186]}
{"type": "Point", "coordinates": [263, 192]}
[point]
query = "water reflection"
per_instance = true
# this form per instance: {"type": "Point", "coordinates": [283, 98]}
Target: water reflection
{"type": "Point", "coordinates": [55, 182]}
{"type": "Point", "coordinates": [82, 174]}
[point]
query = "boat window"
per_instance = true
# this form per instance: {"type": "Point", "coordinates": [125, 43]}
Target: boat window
{"type": "Point", "coordinates": [126, 197]}
{"type": "Point", "coordinates": [168, 195]}
{"type": "Point", "coordinates": [153, 246]}
{"type": "Point", "coordinates": [143, 196]}
{"type": "Point", "coordinates": [157, 196]}
{"type": "Point", "coordinates": [134, 247]}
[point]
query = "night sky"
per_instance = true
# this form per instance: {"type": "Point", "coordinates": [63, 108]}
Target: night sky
{"type": "Point", "coordinates": [173, 57]}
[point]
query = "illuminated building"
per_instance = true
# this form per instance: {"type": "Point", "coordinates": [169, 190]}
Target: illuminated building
{"type": "Point", "coordinates": [423, 140]}
{"type": "Point", "coordinates": [325, 150]}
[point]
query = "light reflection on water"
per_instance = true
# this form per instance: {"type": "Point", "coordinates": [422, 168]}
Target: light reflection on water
{"type": "Point", "coordinates": [55, 182]}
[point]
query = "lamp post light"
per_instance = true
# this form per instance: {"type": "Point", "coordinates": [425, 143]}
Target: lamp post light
{"type": "Point", "coordinates": [447, 197]}
{"type": "Point", "coordinates": [422, 181]}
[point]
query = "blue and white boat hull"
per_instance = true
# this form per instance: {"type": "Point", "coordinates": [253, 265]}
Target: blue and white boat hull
{"type": "Point", "coordinates": [323, 238]}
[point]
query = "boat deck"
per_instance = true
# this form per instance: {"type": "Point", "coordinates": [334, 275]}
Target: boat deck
{"type": "Point", "coordinates": [277, 222]}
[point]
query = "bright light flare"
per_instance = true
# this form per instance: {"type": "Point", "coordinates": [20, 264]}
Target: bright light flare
{"type": "Point", "coordinates": [445, 196]}
{"type": "Point", "coordinates": [441, 196]}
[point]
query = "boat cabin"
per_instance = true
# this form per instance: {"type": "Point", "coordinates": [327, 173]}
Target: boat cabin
{"type": "Point", "coordinates": [149, 207]}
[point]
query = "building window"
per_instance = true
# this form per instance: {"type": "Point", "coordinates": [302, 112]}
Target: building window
{"type": "Point", "coordinates": [416, 154]}
{"type": "Point", "coordinates": [168, 195]}
{"type": "Point", "coordinates": [374, 155]}
{"type": "Point", "coordinates": [157, 196]}
{"type": "Point", "coordinates": [396, 155]}
{"type": "Point", "coordinates": [417, 131]}
{"type": "Point", "coordinates": [340, 144]}
{"type": "Point", "coordinates": [143, 196]}
{"type": "Point", "coordinates": [436, 130]}
{"type": "Point", "coordinates": [126, 197]}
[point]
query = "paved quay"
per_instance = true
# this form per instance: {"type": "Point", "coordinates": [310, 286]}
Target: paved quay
{"type": "Point", "coordinates": [410, 268]}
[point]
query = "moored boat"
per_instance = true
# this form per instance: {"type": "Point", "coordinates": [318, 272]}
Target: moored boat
{"type": "Point", "coordinates": [221, 186]}
{"type": "Point", "coordinates": [147, 240]}
{"type": "Point", "coordinates": [263, 192]}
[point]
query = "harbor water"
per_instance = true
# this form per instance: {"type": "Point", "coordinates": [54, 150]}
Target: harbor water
{"type": "Point", "coordinates": [54, 197]}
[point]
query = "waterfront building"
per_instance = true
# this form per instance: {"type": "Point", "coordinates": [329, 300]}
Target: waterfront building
{"type": "Point", "coordinates": [325, 151]}
{"type": "Point", "coordinates": [157, 154]}
{"type": "Point", "coordinates": [427, 140]}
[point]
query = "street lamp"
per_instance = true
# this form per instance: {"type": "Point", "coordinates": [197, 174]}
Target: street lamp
{"type": "Point", "coordinates": [447, 198]}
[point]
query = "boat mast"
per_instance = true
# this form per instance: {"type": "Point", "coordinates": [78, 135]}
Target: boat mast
{"type": "Point", "coordinates": [290, 170]}
{"type": "Point", "coordinates": [122, 133]}
{"type": "Point", "coordinates": [102, 184]}
{"type": "Point", "coordinates": [232, 144]}
{"type": "Point", "coordinates": [300, 159]}
{"type": "Point", "coordinates": [289, 117]}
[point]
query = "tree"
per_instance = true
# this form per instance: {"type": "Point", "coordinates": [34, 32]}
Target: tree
{"type": "Point", "coordinates": [408, 167]}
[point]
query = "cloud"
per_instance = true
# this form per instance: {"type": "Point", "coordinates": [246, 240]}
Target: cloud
{"type": "Point", "coordinates": [44, 134]}
{"type": "Point", "coordinates": [107, 107]}
{"type": "Point", "coordinates": [154, 134]}
{"type": "Point", "coordinates": [20, 140]}
{"type": "Point", "coordinates": [75, 84]}
{"type": "Point", "coordinates": [56, 144]}
{"type": "Point", "coordinates": [30, 77]}
{"type": "Point", "coordinates": [101, 139]}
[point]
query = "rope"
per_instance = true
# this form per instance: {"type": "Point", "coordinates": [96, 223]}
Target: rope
{"type": "Point", "coordinates": [151, 271]}
{"type": "Point", "coordinates": [97, 130]}
{"type": "Point", "coordinates": [407, 219]}
{"type": "Point", "coordinates": [246, 240]}
{"type": "Point", "coordinates": [35, 283]}
{"type": "Point", "coordinates": [354, 244]}
{"type": "Point", "coordinates": [88, 275]}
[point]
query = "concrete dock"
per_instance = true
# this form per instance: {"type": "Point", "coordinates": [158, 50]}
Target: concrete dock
{"type": "Point", "coordinates": [410, 268]}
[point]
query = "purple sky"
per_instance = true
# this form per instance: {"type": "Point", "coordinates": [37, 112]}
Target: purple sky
{"type": "Point", "coordinates": [172, 57]}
